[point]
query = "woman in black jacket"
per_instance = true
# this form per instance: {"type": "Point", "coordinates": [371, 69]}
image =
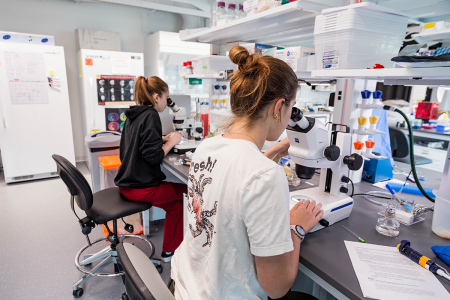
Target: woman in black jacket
{"type": "Point", "coordinates": [142, 149]}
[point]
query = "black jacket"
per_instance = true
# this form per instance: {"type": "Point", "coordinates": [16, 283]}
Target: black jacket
{"type": "Point", "coordinates": [141, 150]}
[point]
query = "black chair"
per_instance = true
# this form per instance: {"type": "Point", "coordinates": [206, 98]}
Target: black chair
{"type": "Point", "coordinates": [142, 280]}
{"type": "Point", "coordinates": [400, 148]}
{"type": "Point", "coordinates": [101, 207]}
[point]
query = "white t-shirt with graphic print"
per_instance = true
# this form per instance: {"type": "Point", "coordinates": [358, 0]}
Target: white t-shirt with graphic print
{"type": "Point", "coordinates": [238, 207]}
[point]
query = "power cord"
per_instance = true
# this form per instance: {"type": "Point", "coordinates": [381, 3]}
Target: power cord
{"type": "Point", "coordinates": [353, 188]}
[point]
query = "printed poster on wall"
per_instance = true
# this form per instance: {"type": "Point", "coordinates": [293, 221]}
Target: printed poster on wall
{"type": "Point", "coordinates": [115, 88]}
{"type": "Point", "coordinates": [115, 119]}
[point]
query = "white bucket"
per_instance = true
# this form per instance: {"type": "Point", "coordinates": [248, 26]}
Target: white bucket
{"type": "Point", "coordinates": [441, 215]}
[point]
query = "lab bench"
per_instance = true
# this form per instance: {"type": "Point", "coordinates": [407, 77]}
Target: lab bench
{"type": "Point", "coordinates": [324, 257]}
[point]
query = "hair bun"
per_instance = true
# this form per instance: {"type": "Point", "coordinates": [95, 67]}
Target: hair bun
{"type": "Point", "coordinates": [239, 55]}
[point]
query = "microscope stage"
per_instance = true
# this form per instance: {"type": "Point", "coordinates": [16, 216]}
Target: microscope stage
{"type": "Point", "coordinates": [336, 208]}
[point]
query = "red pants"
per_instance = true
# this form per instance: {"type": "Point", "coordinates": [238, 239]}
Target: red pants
{"type": "Point", "coordinates": [167, 196]}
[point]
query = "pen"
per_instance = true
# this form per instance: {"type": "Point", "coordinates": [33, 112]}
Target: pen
{"type": "Point", "coordinates": [360, 239]}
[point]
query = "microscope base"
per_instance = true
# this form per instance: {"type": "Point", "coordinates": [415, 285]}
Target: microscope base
{"type": "Point", "coordinates": [187, 146]}
{"type": "Point", "coordinates": [336, 208]}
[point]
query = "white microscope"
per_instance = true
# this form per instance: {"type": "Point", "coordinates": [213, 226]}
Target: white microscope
{"type": "Point", "coordinates": [312, 145]}
{"type": "Point", "coordinates": [187, 126]}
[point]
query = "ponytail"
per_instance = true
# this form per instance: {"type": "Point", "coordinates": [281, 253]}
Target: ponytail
{"type": "Point", "coordinates": [145, 89]}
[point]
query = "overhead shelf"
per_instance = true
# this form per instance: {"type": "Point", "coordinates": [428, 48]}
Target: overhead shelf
{"type": "Point", "coordinates": [432, 37]}
{"type": "Point", "coordinates": [393, 76]}
{"type": "Point", "coordinates": [206, 76]}
{"type": "Point", "coordinates": [290, 24]}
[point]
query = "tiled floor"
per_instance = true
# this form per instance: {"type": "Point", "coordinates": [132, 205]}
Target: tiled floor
{"type": "Point", "coordinates": [39, 237]}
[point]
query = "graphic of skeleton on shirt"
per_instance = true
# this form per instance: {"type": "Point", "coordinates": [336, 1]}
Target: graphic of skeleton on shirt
{"type": "Point", "coordinates": [201, 216]}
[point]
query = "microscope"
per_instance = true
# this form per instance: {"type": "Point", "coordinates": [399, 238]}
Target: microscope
{"type": "Point", "coordinates": [312, 145]}
{"type": "Point", "coordinates": [188, 127]}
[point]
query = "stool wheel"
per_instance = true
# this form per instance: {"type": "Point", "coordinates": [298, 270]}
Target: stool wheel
{"type": "Point", "coordinates": [125, 296]}
{"type": "Point", "coordinates": [159, 268]}
{"type": "Point", "coordinates": [156, 222]}
{"type": "Point", "coordinates": [78, 292]}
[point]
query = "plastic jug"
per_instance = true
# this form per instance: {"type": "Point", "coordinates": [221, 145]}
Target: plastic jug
{"type": "Point", "coordinates": [441, 215]}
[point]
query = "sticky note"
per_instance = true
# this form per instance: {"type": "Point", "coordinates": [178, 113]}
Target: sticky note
{"type": "Point", "coordinates": [89, 61]}
{"type": "Point", "coordinates": [52, 73]}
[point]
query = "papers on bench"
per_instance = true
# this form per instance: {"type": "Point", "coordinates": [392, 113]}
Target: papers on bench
{"type": "Point", "coordinates": [383, 273]}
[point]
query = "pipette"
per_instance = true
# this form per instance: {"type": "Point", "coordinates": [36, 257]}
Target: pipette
{"type": "Point", "coordinates": [424, 261]}
{"type": "Point", "coordinates": [360, 239]}
{"type": "Point", "coordinates": [403, 203]}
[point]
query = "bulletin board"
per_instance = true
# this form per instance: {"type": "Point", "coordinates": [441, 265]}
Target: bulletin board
{"type": "Point", "coordinates": [115, 88]}
{"type": "Point", "coordinates": [115, 119]}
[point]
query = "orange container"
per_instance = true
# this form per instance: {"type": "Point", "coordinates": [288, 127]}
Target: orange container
{"type": "Point", "coordinates": [109, 166]}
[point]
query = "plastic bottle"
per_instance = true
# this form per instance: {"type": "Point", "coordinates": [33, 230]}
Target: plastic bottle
{"type": "Point", "coordinates": [204, 117]}
{"type": "Point", "coordinates": [224, 97]}
{"type": "Point", "coordinates": [221, 14]}
{"type": "Point", "coordinates": [231, 15]}
{"type": "Point", "coordinates": [242, 13]}
{"type": "Point", "coordinates": [189, 69]}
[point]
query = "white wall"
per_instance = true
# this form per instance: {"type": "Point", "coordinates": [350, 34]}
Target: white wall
{"type": "Point", "coordinates": [60, 18]}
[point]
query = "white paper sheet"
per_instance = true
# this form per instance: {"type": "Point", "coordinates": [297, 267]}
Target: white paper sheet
{"type": "Point", "coordinates": [121, 66]}
{"type": "Point", "coordinates": [26, 78]}
{"type": "Point", "coordinates": [383, 273]}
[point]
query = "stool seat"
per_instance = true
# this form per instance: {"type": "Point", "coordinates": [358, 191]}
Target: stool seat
{"type": "Point", "coordinates": [110, 204]}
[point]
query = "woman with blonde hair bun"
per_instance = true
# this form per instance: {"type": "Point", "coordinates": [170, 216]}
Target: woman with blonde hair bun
{"type": "Point", "coordinates": [242, 240]}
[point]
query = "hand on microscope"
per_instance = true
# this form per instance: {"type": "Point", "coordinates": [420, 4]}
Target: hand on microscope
{"type": "Point", "coordinates": [167, 137]}
{"type": "Point", "coordinates": [173, 139]}
{"type": "Point", "coordinates": [279, 150]}
{"type": "Point", "coordinates": [306, 214]}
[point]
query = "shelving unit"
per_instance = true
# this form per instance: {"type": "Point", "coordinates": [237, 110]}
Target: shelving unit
{"type": "Point", "coordinates": [206, 76]}
{"type": "Point", "coordinates": [408, 76]}
{"type": "Point", "coordinates": [290, 24]}
{"type": "Point", "coordinates": [432, 37]}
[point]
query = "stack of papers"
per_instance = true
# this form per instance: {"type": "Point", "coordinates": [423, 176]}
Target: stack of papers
{"type": "Point", "coordinates": [383, 273]}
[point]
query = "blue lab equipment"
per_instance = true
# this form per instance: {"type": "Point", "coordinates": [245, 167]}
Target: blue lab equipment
{"type": "Point", "coordinates": [376, 170]}
{"type": "Point", "coordinates": [411, 189]}
{"type": "Point", "coordinates": [443, 252]}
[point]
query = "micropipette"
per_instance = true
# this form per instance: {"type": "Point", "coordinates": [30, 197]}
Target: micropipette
{"type": "Point", "coordinates": [360, 239]}
{"type": "Point", "coordinates": [424, 261]}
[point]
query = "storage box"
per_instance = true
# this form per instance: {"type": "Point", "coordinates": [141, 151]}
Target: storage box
{"type": "Point", "coordinates": [256, 48]}
{"type": "Point", "coordinates": [213, 64]}
{"type": "Point", "coordinates": [355, 49]}
{"type": "Point", "coordinates": [358, 36]}
{"type": "Point", "coordinates": [427, 110]}
{"type": "Point", "coordinates": [97, 40]}
{"type": "Point", "coordinates": [293, 55]}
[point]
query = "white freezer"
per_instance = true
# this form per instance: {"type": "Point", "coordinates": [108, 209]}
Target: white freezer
{"type": "Point", "coordinates": [35, 119]}
{"type": "Point", "coordinates": [94, 63]}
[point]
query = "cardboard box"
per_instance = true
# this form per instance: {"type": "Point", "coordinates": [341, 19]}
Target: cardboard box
{"type": "Point", "coordinates": [292, 57]}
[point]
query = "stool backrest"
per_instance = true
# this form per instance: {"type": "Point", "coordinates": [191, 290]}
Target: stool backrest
{"type": "Point", "coordinates": [399, 143]}
{"type": "Point", "coordinates": [76, 183]}
{"type": "Point", "coordinates": [142, 280]}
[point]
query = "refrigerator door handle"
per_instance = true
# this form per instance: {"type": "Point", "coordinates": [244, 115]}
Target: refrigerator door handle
{"type": "Point", "coordinates": [2, 114]}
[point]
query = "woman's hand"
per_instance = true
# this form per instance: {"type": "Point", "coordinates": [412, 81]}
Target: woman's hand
{"type": "Point", "coordinates": [175, 138]}
{"type": "Point", "coordinates": [279, 150]}
{"type": "Point", "coordinates": [167, 137]}
{"type": "Point", "coordinates": [306, 214]}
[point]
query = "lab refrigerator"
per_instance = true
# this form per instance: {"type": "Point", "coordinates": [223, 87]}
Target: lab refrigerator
{"type": "Point", "coordinates": [107, 87]}
{"type": "Point", "coordinates": [35, 117]}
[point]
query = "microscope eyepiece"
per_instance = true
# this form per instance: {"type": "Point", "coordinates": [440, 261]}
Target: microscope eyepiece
{"type": "Point", "coordinates": [297, 117]}
{"type": "Point", "coordinates": [296, 114]}
{"type": "Point", "coordinates": [172, 105]}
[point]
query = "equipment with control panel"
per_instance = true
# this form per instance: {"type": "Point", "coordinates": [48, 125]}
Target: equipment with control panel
{"type": "Point", "coordinates": [314, 146]}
